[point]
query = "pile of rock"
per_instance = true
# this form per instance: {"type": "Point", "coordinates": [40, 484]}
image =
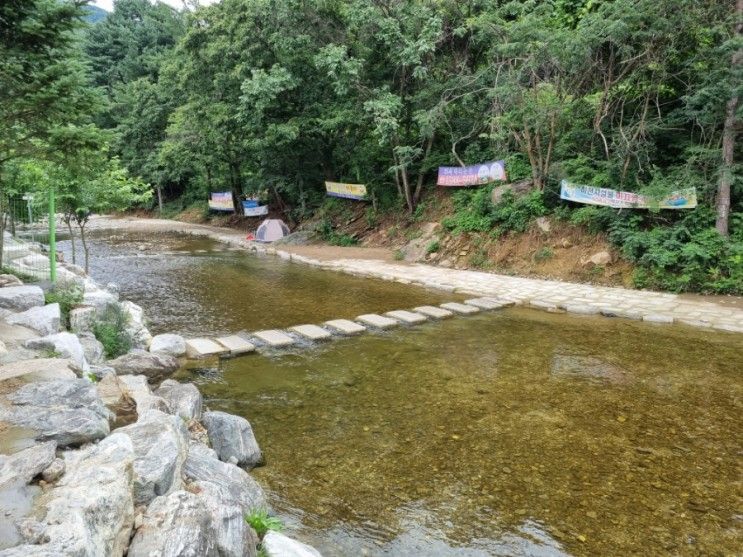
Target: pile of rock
{"type": "Point", "coordinates": [99, 463]}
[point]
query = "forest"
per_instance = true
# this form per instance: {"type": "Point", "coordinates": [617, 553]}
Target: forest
{"type": "Point", "coordinates": [274, 97]}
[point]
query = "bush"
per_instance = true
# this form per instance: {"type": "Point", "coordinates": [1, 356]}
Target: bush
{"type": "Point", "coordinates": [475, 211]}
{"type": "Point", "coordinates": [334, 238]}
{"type": "Point", "coordinates": [689, 255]}
{"type": "Point", "coordinates": [262, 522]}
{"type": "Point", "coordinates": [433, 247]}
{"type": "Point", "coordinates": [398, 255]}
{"type": "Point", "coordinates": [110, 330]}
{"type": "Point", "coordinates": [67, 296]}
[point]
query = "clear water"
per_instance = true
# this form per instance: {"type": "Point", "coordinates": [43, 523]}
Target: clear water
{"type": "Point", "coordinates": [509, 433]}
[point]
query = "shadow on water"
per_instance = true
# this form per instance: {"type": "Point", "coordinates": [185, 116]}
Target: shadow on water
{"type": "Point", "coordinates": [508, 433]}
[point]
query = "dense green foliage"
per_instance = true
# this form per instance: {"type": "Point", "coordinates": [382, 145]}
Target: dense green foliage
{"type": "Point", "coordinates": [110, 330]}
{"type": "Point", "coordinates": [262, 522]}
{"type": "Point", "coordinates": [67, 296]}
{"type": "Point", "coordinates": [273, 97]}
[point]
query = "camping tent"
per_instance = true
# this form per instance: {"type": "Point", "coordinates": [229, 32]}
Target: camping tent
{"type": "Point", "coordinates": [271, 230]}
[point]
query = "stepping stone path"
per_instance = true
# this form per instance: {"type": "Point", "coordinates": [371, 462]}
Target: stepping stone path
{"type": "Point", "coordinates": [311, 332]}
{"type": "Point", "coordinates": [275, 338]}
{"type": "Point", "coordinates": [409, 317]}
{"type": "Point", "coordinates": [462, 309]}
{"type": "Point", "coordinates": [203, 347]}
{"type": "Point", "coordinates": [236, 344]}
{"type": "Point", "coordinates": [345, 327]}
{"type": "Point", "coordinates": [378, 321]}
{"type": "Point", "coordinates": [487, 303]}
{"type": "Point", "coordinates": [434, 312]}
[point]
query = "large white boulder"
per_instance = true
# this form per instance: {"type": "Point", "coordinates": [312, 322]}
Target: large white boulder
{"type": "Point", "coordinates": [91, 510]}
{"type": "Point", "coordinates": [93, 348]}
{"type": "Point", "coordinates": [42, 319]}
{"type": "Point", "coordinates": [176, 525]}
{"type": "Point", "coordinates": [184, 399]}
{"type": "Point", "coordinates": [21, 298]}
{"type": "Point", "coordinates": [23, 466]}
{"type": "Point", "coordinates": [202, 464]}
{"type": "Point", "coordinates": [65, 345]}
{"type": "Point", "coordinates": [276, 544]}
{"type": "Point", "coordinates": [10, 280]}
{"type": "Point", "coordinates": [136, 327]}
{"type": "Point", "coordinates": [235, 537]}
{"type": "Point", "coordinates": [232, 438]}
{"type": "Point", "coordinates": [68, 411]}
{"type": "Point", "coordinates": [141, 362]}
{"type": "Point", "coordinates": [168, 344]}
{"type": "Point", "coordinates": [137, 388]}
{"type": "Point", "coordinates": [82, 319]}
{"type": "Point", "coordinates": [160, 446]}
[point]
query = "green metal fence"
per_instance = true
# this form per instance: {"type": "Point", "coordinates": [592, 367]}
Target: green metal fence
{"type": "Point", "coordinates": [28, 242]}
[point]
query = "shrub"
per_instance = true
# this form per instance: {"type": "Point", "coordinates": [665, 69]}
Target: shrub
{"type": "Point", "coordinates": [432, 247]}
{"type": "Point", "coordinates": [543, 254]}
{"type": "Point", "coordinates": [110, 330]}
{"type": "Point", "coordinates": [67, 296]}
{"type": "Point", "coordinates": [334, 238]}
{"type": "Point", "coordinates": [398, 255]}
{"type": "Point", "coordinates": [475, 211]}
{"type": "Point", "coordinates": [262, 522]}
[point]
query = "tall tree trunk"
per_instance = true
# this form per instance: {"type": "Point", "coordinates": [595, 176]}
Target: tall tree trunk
{"type": "Point", "coordinates": [84, 240]}
{"type": "Point", "coordinates": [728, 139]}
{"type": "Point", "coordinates": [422, 174]}
{"type": "Point", "coordinates": [68, 221]}
{"type": "Point", "coordinates": [160, 198]}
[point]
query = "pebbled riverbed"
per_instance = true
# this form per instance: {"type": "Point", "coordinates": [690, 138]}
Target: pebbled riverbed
{"type": "Point", "coordinates": [517, 432]}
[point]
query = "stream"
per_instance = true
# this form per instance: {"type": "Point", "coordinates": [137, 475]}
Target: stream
{"type": "Point", "coordinates": [515, 432]}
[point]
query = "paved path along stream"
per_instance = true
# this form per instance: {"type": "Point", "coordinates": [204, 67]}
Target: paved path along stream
{"type": "Point", "coordinates": [547, 295]}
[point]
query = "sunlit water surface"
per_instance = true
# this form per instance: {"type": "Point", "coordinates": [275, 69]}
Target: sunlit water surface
{"type": "Point", "coordinates": [509, 433]}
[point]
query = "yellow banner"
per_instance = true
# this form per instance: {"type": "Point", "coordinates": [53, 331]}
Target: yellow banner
{"type": "Point", "coordinates": [349, 191]}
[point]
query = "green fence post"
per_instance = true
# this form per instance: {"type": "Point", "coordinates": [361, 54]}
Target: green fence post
{"type": "Point", "coordinates": [52, 238]}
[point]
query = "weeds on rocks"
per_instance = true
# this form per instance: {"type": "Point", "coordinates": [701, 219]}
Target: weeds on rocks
{"type": "Point", "coordinates": [110, 330]}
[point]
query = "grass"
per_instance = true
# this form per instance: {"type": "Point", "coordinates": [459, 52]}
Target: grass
{"type": "Point", "coordinates": [67, 297]}
{"type": "Point", "coordinates": [110, 330]}
{"type": "Point", "coordinates": [15, 272]}
{"type": "Point", "coordinates": [433, 247]}
{"type": "Point", "coordinates": [262, 522]}
{"type": "Point", "coordinates": [543, 254]}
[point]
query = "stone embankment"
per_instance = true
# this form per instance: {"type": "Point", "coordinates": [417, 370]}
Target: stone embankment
{"type": "Point", "coordinates": [546, 295]}
{"type": "Point", "coordinates": [109, 457]}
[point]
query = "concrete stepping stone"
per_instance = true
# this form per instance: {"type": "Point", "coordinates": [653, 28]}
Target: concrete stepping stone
{"type": "Point", "coordinates": [203, 347]}
{"type": "Point", "coordinates": [462, 309]}
{"type": "Point", "coordinates": [484, 303]}
{"type": "Point", "coordinates": [274, 338]}
{"type": "Point", "coordinates": [434, 312]}
{"type": "Point", "coordinates": [236, 344]}
{"type": "Point", "coordinates": [408, 317]}
{"type": "Point", "coordinates": [345, 327]}
{"type": "Point", "coordinates": [377, 321]}
{"type": "Point", "coordinates": [311, 332]}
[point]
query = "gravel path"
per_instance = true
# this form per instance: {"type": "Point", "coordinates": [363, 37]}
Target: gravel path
{"type": "Point", "coordinates": [722, 313]}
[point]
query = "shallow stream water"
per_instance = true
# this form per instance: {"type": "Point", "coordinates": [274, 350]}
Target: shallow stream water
{"type": "Point", "coordinates": [509, 433]}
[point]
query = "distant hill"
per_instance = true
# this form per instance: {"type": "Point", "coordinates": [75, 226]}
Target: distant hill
{"type": "Point", "coordinates": [95, 14]}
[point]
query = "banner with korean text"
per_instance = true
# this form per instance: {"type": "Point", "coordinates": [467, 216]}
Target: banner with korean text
{"type": "Point", "coordinates": [221, 201]}
{"type": "Point", "coordinates": [348, 191]}
{"type": "Point", "coordinates": [474, 175]}
{"type": "Point", "coordinates": [682, 199]}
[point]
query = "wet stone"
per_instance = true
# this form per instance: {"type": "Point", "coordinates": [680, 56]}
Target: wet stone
{"type": "Point", "coordinates": [377, 321]}
{"type": "Point", "coordinates": [236, 344]}
{"type": "Point", "coordinates": [434, 312]}
{"type": "Point", "coordinates": [274, 338]}
{"type": "Point", "coordinates": [311, 332]}
{"type": "Point", "coordinates": [345, 327]}
{"type": "Point", "coordinates": [409, 317]}
{"type": "Point", "coordinates": [462, 309]}
{"type": "Point", "coordinates": [203, 347]}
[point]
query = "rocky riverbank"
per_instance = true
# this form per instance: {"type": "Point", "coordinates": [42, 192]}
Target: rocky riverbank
{"type": "Point", "coordinates": [110, 457]}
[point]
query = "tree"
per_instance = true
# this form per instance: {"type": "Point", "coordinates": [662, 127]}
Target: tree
{"type": "Point", "coordinates": [43, 86]}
